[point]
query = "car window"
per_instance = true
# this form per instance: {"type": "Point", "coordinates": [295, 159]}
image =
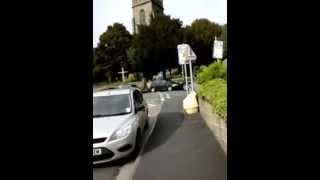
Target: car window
{"type": "Point", "coordinates": [141, 97]}
{"type": "Point", "coordinates": [111, 105]}
{"type": "Point", "coordinates": [137, 98]}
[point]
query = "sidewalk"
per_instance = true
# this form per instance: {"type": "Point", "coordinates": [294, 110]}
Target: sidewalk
{"type": "Point", "coordinates": [181, 147]}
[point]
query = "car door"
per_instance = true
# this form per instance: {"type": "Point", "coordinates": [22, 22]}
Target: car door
{"type": "Point", "coordinates": [137, 105]}
{"type": "Point", "coordinates": [145, 111]}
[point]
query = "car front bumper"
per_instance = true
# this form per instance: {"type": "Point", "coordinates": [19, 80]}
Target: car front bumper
{"type": "Point", "coordinates": [114, 150]}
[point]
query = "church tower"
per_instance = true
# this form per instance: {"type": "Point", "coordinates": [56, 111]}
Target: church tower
{"type": "Point", "coordinates": [143, 9]}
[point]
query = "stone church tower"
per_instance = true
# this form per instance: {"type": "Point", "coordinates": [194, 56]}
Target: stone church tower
{"type": "Point", "coordinates": [143, 9]}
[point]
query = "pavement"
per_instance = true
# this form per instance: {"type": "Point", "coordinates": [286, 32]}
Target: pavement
{"type": "Point", "coordinates": [177, 146]}
{"type": "Point", "coordinates": [181, 147]}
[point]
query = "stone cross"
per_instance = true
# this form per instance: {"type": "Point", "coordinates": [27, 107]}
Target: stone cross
{"type": "Point", "coordinates": [122, 73]}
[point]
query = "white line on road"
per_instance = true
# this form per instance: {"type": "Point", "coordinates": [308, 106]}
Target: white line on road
{"type": "Point", "coordinates": [161, 96]}
{"type": "Point", "coordinates": [168, 96]}
{"type": "Point", "coordinates": [151, 105]}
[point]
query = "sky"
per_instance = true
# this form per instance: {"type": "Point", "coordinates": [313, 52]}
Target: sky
{"type": "Point", "coordinates": [107, 12]}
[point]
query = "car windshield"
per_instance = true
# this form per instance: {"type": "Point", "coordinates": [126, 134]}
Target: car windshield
{"type": "Point", "coordinates": [111, 105]}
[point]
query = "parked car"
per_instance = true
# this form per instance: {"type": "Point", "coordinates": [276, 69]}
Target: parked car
{"type": "Point", "coordinates": [161, 85]}
{"type": "Point", "coordinates": [120, 118]}
{"type": "Point", "coordinates": [177, 85]}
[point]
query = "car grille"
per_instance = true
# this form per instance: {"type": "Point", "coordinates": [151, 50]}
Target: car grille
{"type": "Point", "coordinates": [99, 140]}
{"type": "Point", "coordinates": [106, 154]}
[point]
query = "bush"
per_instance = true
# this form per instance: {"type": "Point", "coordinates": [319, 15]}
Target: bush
{"type": "Point", "coordinates": [131, 78]}
{"type": "Point", "coordinates": [215, 91]}
{"type": "Point", "coordinates": [214, 70]}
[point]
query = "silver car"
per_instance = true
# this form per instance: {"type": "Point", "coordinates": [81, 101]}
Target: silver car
{"type": "Point", "coordinates": [120, 117]}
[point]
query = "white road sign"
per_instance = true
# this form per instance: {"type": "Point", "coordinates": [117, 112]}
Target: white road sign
{"type": "Point", "coordinates": [185, 54]}
{"type": "Point", "coordinates": [218, 49]}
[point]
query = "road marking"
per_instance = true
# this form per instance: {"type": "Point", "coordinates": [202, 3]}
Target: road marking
{"type": "Point", "coordinates": [161, 96]}
{"type": "Point", "coordinates": [151, 105]}
{"type": "Point", "coordinates": [168, 96]}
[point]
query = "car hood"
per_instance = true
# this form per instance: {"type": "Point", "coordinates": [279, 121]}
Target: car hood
{"type": "Point", "coordinates": [105, 126]}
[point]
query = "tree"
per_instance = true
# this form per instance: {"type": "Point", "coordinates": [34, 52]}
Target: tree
{"type": "Point", "coordinates": [110, 54]}
{"type": "Point", "coordinates": [200, 35]}
{"type": "Point", "coordinates": [156, 45]}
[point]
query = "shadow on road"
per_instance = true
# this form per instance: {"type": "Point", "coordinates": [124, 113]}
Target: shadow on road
{"type": "Point", "coordinates": [167, 124]}
{"type": "Point", "coordinates": [117, 163]}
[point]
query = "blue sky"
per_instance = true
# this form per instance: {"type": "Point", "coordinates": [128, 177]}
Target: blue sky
{"type": "Point", "coordinates": [107, 12]}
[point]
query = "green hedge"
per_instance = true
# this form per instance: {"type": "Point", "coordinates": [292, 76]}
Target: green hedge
{"type": "Point", "coordinates": [215, 91]}
{"type": "Point", "coordinates": [131, 78]}
{"type": "Point", "coordinates": [214, 70]}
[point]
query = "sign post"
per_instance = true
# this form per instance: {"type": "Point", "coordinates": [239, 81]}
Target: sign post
{"type": "Point", "coordinates": [191, 77]}
{"type": "Point", "coordinates": [186, 77]}
{"type": "Point", "coordinates": [186, 55]}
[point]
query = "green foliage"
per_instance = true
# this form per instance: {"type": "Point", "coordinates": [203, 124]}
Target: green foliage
{"type": "Point", "coordinates": [215, 91]}
{"type": "Point", "coordinates": [214, 70]}
{"type": "Point", "coordinates": [154, 48]}
{"type": "Point", "coordinates": [134, 60]}
{"type": "Point", "coordinates": [200, 35]}
{"type": "Point", "coordinates": [131, 78]}
{"type": "Point", "coordinates": [202, 67]}
{"type": "Point", "coordinates": [110, 54]}
{"type": "Point", "coordinates": [213, 86]}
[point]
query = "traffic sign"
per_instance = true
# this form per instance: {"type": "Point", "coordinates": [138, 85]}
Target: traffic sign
{"type": "Point", "coordinates": [185, 54]}
{"type": "Point", "coordinates": [218, 49]}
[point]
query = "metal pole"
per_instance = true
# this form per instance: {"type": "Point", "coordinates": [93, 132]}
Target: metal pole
{"type": "Point", "coordinates": [182, 71]}
{"type": "Point", "coordinates": [191, 77]}
{"type": "Point", "coordinates": [186, 77]}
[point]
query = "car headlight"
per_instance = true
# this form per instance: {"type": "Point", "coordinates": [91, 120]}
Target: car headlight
{"type": "Point", "coordinates": [122, 132]}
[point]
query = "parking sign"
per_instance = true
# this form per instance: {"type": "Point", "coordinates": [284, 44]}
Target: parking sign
{"type": "Point", "coordinates": [218, 49]}
{"type": "Point", "coordinates": [185, 54]}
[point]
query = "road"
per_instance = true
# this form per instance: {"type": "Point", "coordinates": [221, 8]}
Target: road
{"type": "Point", "coordinates": [176, 146]}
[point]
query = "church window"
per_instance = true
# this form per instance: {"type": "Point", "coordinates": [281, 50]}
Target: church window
{"type": "Point", "coordinates": [142, 17]}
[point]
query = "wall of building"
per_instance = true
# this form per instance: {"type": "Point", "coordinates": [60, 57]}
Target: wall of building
{"type": "Point", "coordinates": [148, 7]}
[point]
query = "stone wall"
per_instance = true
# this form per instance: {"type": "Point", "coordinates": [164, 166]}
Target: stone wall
{"type": "Point", "coordinates": [216, 125]}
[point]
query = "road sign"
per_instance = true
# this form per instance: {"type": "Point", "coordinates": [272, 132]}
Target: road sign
{"type": "Point", "coordinates": [218, 49]}
{"type": "Point", "coordinates": [185, 54]}
{"type": "Point", "coordinates": [192, 55]}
